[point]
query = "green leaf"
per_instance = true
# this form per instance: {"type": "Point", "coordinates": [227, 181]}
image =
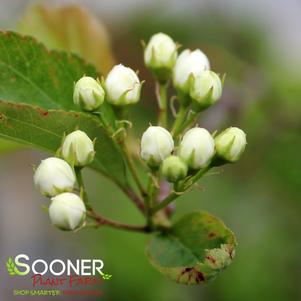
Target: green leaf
{"type": "Point", "coordinates": [32, 125]}
{"type": "Point", "coordinates": [32, 75]}
{"type": "Point", "coordinates": [194, 250]}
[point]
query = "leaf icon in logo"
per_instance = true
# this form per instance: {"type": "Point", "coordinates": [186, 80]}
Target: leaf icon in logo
{"type": "Point", "coordinates": [11, 268]}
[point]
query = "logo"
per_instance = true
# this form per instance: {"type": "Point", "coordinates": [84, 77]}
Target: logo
{"type": "Point", "coordinates": [11, 268]}
{"type": "Point", "coordinates": [57, 267]}
{"type": "Point", "coordinates": [63, 275]}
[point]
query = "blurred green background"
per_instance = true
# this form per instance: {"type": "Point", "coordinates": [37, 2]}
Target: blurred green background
{"type": "Point", "coordinates": [258, 46]}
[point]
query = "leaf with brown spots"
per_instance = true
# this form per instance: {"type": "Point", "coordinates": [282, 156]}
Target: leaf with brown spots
{"type": "Point", "coordinates": [188, 253]}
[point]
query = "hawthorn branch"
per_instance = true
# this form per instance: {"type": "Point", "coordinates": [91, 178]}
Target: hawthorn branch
{"type": "Point", "coordinates": [104, 221]}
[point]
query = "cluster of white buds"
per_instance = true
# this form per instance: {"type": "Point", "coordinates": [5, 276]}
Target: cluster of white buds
{"type": "Point", "coordinates": [190, 71]}
{"type": "Point", "coordinates": [197, 150]}
{"type": "Point", "coordinates": [194, 81]}
{"type": "Point", "coordinates": [55, 178]}
{"type": "Point", "coordinates": [197, 88]}
{"type": "Point", "coordinates": [120, 88]}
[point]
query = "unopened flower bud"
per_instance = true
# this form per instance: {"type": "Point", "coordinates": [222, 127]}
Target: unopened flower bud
{"type": "Point", "coordinates": [160, 55]}
{"type": "Point", "coordinates": [54, 176]}
{"type": "Point", "coordinates": [67, 211]}
{"type": "Point", "coordinates": [230, 144]}
{"type": "Point", "coordinates": [78, 149]}
{"type": "Point", "coordinates": [206, 89]}
{"type": "Point", "coordinates": [197, 148]}
{"type": "Point", "coordinates": [188, 65]}
{"type": "Point", "coordinates": [156, 145]}
{"type": "Point", "coordinates": [88, 93]}
{"type": "Point", "coordinates": [122, 86]}
{"type": "Point", "coordinates": [174, 169]}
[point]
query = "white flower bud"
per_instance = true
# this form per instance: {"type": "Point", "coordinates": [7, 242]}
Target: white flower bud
{"type": "Point", "coordinates": [160, 55]}
{"type": "Point", "coordinates": [189, 64]}
{"type": "Point", "coordinates": [156, 145]}
{"type": "Point", "coordinates": [67, 211]}
{"type": "Point", "coordinates": [197, 148]}
{"type": "Point", "coordinates": [54, 176]}
{"type": "Point", "coordinates": [122, 86]}
{"type": "Point", "coordinates": [78, 149]}
{"type": "Point", "coordinates": [174, 169]}
{"type": "Point", "coordinates": [206, 89]}
{"type": "Point", "coordinates": [88, 93]}
{"type": "Point", "coordinates": [230, 144]}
